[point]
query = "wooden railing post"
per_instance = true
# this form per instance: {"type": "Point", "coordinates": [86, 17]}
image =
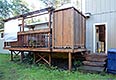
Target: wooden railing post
{"type": "Point", "coordinates": [22, 24]}
{"type": "Point", "coordinates": [50, 27]}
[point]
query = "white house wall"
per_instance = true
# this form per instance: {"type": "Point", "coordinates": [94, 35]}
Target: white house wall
{"type": "Point", "coordinates": [102, 11]}
{"type": "Point", "coordinates": [2, 45]}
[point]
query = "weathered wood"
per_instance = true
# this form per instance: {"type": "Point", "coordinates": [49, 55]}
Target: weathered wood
{"type": "Point", "coordinates": [21, 56]}
{"type": "Point", "coordinates": [84, 32]}
{"type": "Point", "coordinates": [22, 27]}
{"type": "Point", "coordinates": [69, 61]}
{"type": "Point", "coordinates": [93, 69]}
{"type": "Point", "coordinates": [42, 57]}
{"type": "Point", "coordinates": [58, 28]}
{"type": "Point", "coordinates": [31, 49]}
{"type": "Point", "coordinates": [50, 28]}
{"type": "Point", "coordinates": [11, 55]}
{"type": "Point", "coordinates": [34, 32]}
{"type": "Point", "coordinates": [50, 59]}
{"type": "Point", "coordinates": [67, 36]}
{"type": "Point", "coordinates": [68, 29]}
{"type": "Point", "coordinates": [97, 64]}
{"type": "Point", "coordinates": [96, 57]}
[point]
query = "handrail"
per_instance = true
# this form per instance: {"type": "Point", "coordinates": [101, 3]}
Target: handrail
{"type": "Point", "coordinates": [34, 31]}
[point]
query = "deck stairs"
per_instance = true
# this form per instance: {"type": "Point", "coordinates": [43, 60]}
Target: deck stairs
{"type": "Point", "coordinates": [94, 62]}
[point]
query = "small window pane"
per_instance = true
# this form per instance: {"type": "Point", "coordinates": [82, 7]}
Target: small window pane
{"type": "Point", "coordinates": [2, 35]}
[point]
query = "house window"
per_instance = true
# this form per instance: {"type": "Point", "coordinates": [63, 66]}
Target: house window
{"type": "Point", "coordinates": [2, 35]}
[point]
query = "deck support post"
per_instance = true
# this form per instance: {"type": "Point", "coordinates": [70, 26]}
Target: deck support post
{"type": "Point", "coordinates": [11, 55]}
{"type": "Point", "coordinates": [34, 58]}
{"type": "Point", "coordinates": [69, 61]}
{"type": "Point", "coordinates": [49, 59]}
{"type": "Point", "coordinates": [21, 56]}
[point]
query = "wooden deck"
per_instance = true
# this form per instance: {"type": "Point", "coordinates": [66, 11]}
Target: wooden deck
{"type": "Point", "coordinates": [48, 50]}
{"type": "Point", "coordinates": [38, 51]}
{"type": "Point", "coordinates": [65, 33]}
{"type": "Point", "coordinates": [31, 49]}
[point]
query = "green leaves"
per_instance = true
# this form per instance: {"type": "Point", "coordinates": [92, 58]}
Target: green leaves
{"type": "Point", "coordinates": [4, 9]}
{"type": "Point", "coordinates": [10, 8]}
{"type": "Point", "coordinates": [19, 7]}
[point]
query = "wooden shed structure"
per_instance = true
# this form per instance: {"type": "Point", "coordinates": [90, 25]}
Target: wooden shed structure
{"type": "Point", "coordinates": [65, 34]}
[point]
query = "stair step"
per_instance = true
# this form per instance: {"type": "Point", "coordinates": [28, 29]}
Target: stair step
{"type": "Point", "coordinates": [96, 64]}
{"type": "Point", "coordinates": [92, 69]}
{"type": "Point", "coordinates": [96, 57]}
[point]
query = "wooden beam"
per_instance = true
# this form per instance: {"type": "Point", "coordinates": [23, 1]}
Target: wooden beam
{"type": "Point", "coordinates": [69, 61]}
{"type": "Point", "coordinates": [35, 31]}
{"type": "Point", "coordinates": [22, 27]}
{"type": "Point", "coordinates": [21, 56]}
{"type": "Point", "coordinates": [49, 59]}
{"type": "Point", "coordinates": [37, 15]}
{"type": "Point", "coordinates": [49, 25]}
{"type": "Point", "coordinates": [11, 55]}
{"type": "Point", "coordinates": [34, 58]}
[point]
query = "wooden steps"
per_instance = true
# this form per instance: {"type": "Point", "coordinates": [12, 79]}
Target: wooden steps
{"type": "Point", "coordinates": [92, 68]}
{"type": "Point", "coordinates": [94, 62]}
{"type": "Point", "coordinates": [96, 57]}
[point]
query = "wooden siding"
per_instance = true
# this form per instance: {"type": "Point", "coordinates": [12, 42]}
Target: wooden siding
{"type": "Point", "coordinates": [68, 32]}
{"type": "Point", "coordinates": [68, 29]}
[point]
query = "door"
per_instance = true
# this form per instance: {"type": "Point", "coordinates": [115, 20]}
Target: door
{"type": "Point", "coordinates": [100, 38]}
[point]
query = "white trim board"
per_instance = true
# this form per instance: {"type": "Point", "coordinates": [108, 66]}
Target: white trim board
{"type": "Point", "coordinates": [94, 35]}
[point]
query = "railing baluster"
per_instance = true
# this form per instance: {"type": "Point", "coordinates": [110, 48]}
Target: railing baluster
{"type": "Point", "coordinates": [32, 40]}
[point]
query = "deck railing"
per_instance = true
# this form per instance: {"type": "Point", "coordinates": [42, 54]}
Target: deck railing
{"type": "Point", "coordinates": [32, 39]}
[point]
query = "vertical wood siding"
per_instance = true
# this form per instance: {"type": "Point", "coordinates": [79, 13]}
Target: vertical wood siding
{"type": "Point", "coordinates": [68, 29]}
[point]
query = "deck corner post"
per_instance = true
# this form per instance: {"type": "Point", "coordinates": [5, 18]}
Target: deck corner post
{"type": "Point", "coordinates": [11, 55]}
{"type": "Point", "coordinates": [34, 58]}
{"type": "Point", "coordinates": [69, 61]}
{"type": "Point", "coordinates": [50, 59]}
{"type": "Point", "coordinates": [21, 56]}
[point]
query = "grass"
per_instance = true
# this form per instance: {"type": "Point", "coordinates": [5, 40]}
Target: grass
{"type": "Point", "coordinates": [20, 71]}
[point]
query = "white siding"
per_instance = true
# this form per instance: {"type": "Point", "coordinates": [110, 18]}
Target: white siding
{"type": "Point", "coordinates": [2, 45]}
{"type": "Point", "coordinates": [102, 11]}
{"type": "Point", "coordinates": [100, 6]}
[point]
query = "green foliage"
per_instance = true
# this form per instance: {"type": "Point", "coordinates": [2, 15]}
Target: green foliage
{"type": "Point", "coordinates": [78, 63]}
{"type": "Point", "coordinates": [11, 8]}
{"type": "Point", "coordinates": [19, 7]}
{"type": "Point", "coordinates": [20, 71]}
{"type": "Point", "coordinates": [28, 58]}
{"type": "Point", "coordinates": [14, 7]}
{"type": "Point", "coordinates": [5, 9]}
{"type": "Point", "coordinates": [57, 3]}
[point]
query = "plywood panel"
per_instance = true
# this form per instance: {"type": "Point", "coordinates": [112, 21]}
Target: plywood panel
{"type": "Point", "coordinates": [68, 29]}
{"type": "Point", "coordinates": [58, 28]}
{"type": "Point", "coordinates": [67, 34]}
{"type": "Point", "coordinates": [79, 24]}
{"type": "Point", "coordinates": [82, 30]}
{"type": "Point", "coordinates": [76, 30]}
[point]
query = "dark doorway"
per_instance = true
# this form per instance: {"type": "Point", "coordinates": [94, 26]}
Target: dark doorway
{"type": "Point", "coordinates": [100, 39]}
